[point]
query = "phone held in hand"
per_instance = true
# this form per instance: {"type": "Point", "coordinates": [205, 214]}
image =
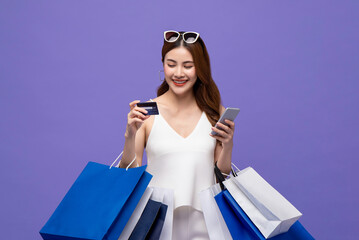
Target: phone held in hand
{"type": "Point", "coordinates": [230, 114]}
{"type": "Point", "coordinates": [151, 107]}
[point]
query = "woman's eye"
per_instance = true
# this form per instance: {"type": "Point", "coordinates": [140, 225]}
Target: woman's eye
{"type": "Point", "coordinates": [188, 67]}
{"type": "Point", "coordinates": [171, 66]}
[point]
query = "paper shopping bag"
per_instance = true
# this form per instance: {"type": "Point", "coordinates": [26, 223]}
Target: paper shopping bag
{"type": "Point", "coordinates": [242, 228]}
{"type": "Point", "coordinates": [150, 224]}
{"type": "Point", "coordinates": [165, 196]}
{"type": "Point", "coordinates": [162, 195]}
{"type": "Point", "coordinates": [131, 223]}
{"type": "Point", "coordinates": [156, 228]}
{"type": "Point", "coordinates": [266, 207]}
{"type": "Point", "coordinates": [235, 225]}
{"type": "Point", "coordinates": [216, 226]}
{"type": "Point", "coordinates": [98, 205]}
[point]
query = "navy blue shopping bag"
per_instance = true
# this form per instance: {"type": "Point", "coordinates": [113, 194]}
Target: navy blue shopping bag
{"type": "Point", "coordinates": [150, 224]}
{"type": "Point", "coordinates": [156, 228]}
{"type": "Point", "coordinates": [98, 205]}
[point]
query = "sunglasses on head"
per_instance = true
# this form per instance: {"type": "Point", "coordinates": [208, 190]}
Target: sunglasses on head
{"type": "Point", "coordinates": [188, 37]}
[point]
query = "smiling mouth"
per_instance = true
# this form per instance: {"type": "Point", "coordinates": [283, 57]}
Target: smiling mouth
{"type": "Point", "coordinates": [179, 82]}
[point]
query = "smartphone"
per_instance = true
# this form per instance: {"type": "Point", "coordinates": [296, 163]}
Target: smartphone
{"type": "Point", "coordinates": [230, 114]}
{"type": "Point", "coordinates": [151, 107]}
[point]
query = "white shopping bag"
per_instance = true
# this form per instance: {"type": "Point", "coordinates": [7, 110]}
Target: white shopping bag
{"type": "Point", "coordinates": [266, 207]}
{"type": "Point", "coordinates": [216, 226]}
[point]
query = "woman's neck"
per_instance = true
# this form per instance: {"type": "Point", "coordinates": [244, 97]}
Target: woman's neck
{"type": "Point", "coordinates": [181, 102]}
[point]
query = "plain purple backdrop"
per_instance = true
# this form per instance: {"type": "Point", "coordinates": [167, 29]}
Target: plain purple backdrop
{"type": "Point", "coordinates": [68, 70]}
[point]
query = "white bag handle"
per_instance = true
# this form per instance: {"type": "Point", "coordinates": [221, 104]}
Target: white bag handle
{"type": "Point", "coordinates": [235, 167]}
{"type": "Point", "coordinates": [120, 161]}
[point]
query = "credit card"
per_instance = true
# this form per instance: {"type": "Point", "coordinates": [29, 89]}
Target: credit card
{"type": "Point", "coordinates": [151, 107]}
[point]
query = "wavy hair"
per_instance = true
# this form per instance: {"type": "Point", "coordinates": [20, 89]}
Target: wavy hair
{"type": "Point", "coordinates": [205, 89]}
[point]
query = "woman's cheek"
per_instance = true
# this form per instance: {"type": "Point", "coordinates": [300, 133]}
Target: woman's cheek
{"type": "Point", "coordinates": [168, 70]}
{"type": "Point", "coordinates": [193, 75]}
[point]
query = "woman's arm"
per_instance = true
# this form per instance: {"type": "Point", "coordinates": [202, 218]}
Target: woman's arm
{"type": "Point", "coordinates": [224, 146]}
{"type": "Point", "coordinates": [133, 148]}
{"type": "Point", "coordinates": [134, 136]}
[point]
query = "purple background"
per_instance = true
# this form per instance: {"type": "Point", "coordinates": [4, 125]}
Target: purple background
{"type": "Point", "coordinates": [68, 70]}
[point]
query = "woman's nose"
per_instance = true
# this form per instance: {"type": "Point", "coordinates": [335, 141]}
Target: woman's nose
{"type": "Point", "coordinates": [179, 72]}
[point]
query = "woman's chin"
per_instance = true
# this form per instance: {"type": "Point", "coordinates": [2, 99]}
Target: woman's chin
{"type": "Point", "coordinates": [180, 91]}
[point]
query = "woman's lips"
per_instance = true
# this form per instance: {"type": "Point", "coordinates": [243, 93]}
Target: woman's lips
{"type": "Point", "coordinates": [179, 83]}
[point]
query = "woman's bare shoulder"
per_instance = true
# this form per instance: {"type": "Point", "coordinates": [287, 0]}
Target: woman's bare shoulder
{"type": "Point", "coordinates": [158, 99]}
{"type": "Point", "coordinates": [162, 102]}
{"type": "Point", "coordinates": [152, 99]}
{"type": "Point", "coordinates": [221, 109]}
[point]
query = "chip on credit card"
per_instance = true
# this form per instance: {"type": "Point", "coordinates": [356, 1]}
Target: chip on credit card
{"type": "Point", "coordinates": [151, 107]}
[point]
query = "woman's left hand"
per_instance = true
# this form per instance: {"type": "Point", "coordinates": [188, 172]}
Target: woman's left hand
{"type": "Point", "coordinates": [225, 134]}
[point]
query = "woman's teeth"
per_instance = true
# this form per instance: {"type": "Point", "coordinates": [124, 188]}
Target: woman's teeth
{"type": "Point", "coordinates": [179, 82]}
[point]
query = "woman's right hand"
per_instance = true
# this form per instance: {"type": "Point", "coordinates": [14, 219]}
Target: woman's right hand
{"type": "Point", "coordinates": [135, 119]}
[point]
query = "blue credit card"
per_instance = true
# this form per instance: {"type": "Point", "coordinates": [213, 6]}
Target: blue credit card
{"type": "Point", "coordinates": [151, 107]}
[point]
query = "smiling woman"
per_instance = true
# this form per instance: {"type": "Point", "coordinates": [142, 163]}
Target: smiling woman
{"type": "Point", "coordinates": [206, 92]}
{"type": "Point", "coordinates": [179, 70]}
{"type": "Point", "coordinates": [181, 151]}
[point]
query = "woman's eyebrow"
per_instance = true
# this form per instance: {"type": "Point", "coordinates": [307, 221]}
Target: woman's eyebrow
{"type": "Point", "coordinates": [171, 60]}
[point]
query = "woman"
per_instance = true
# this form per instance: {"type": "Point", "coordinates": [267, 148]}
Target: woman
{"type": "Point", "coordinates": [181, 152]}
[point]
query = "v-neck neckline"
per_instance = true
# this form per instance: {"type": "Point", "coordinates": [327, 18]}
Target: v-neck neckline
{"type": "Point", "coordinates": [179, 135]}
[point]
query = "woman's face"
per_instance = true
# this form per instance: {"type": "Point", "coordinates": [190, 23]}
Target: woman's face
{"type": "Point", "coordinates": [180, 73]}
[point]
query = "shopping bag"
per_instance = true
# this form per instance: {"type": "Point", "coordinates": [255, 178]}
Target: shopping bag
{"type": "Point", "coordinates": [162, 195]}
{"type": "Point", "coordinates": [143, 227]}
{"type": "Point", "coordinates": [156, 228]}
{"type": "Point", "coordinates": [98, 204]}
{"type": "Point", "coordinates": [265, 206]}
{"type": "Point", "coordinates": [246, 229]}
{"type": "Point", "coordinates": [131, 223]}
{"type": "Point", "coordinates": [240, 225]}
{"type": "Point", "coordinates": [235, 225]}
{"type": "Point", "coordinates": [155, 221]}
{"type": "Point", "coordinates": [216, 226]}
{"type": "Point", "coordinates": [165, 196]}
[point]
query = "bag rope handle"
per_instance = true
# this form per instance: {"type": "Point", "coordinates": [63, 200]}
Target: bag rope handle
{"type": "Point", "coordinates": [234, 173]}
{"type": "Point", "coordinates": [120, 161]}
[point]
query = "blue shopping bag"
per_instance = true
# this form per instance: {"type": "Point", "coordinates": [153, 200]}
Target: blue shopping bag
{"type": "Point", "coordinates": [150, 224]}
{"type": "Point", "coordinates": [239, 224]}
{"type": "Point", "coordinates": [156, 228]}
{"type": "Point", "coordinates": [236, 226]}
{"type": "Point", "coordinates": [296, 232]}
{"type": "Point", "coordinates": [98, 205]}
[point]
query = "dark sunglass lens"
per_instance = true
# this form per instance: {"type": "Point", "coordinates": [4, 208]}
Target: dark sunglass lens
{"type": "Point", "coordinates": [190, 37]}
{"type": "Point", "coordinates": [171, 36]}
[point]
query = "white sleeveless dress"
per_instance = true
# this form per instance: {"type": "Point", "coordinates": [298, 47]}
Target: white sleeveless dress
{"type": "Point", "coordinates": [186, 166]}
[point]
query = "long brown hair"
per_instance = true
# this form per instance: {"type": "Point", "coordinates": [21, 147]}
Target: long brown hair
{"type": "Point", "coordinates": [205, 89]}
